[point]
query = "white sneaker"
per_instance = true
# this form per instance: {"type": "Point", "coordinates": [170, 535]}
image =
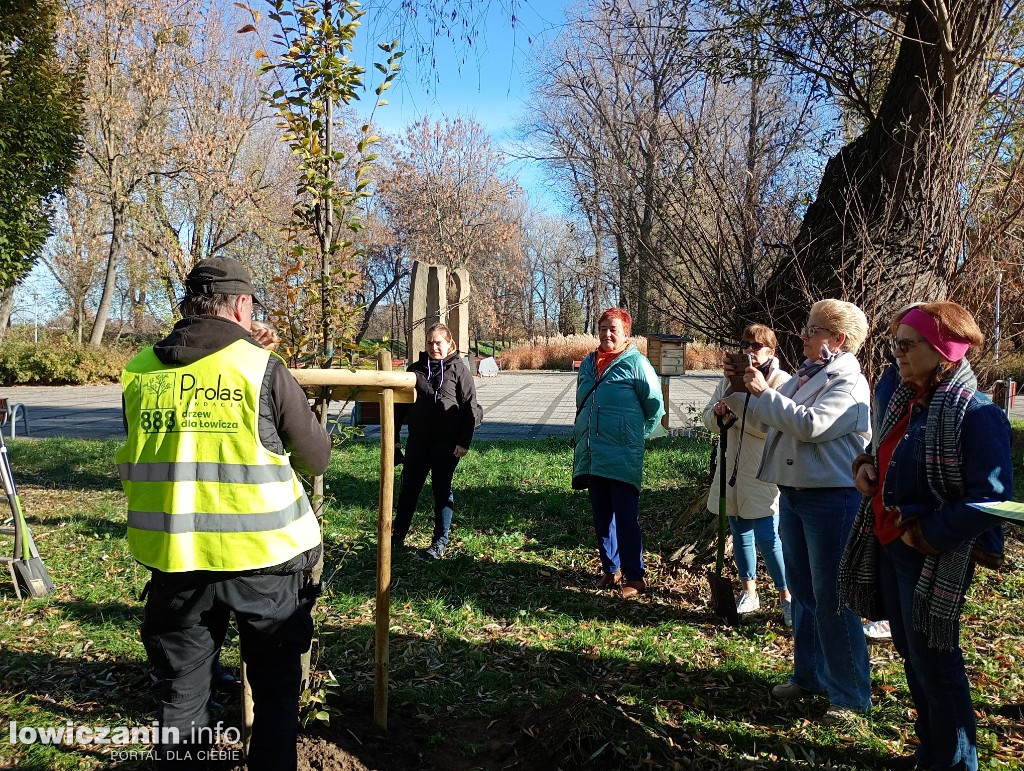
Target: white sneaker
{"type": "Point", "coordinates": [747, 602]}
{"type": "Point", "coordinates": [877, 630]}
{"type": "Point", "coordinates": [787, 613]}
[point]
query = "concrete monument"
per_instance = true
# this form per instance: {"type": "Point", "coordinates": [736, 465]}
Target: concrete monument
{"type": "Point", "coordinates": [431, 303]}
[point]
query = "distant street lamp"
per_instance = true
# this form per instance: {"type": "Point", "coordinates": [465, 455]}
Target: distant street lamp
{"type": "Point", "coordinates": [999, 290]}
{"type": "Point", "coordinates": [35, 302]}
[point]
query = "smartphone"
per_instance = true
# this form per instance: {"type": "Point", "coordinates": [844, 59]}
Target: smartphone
{"type": "Point", "coordinates": [739, 363]}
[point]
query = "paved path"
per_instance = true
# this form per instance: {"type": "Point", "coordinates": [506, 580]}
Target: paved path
{"type": "Point", "coordinates": [517, 405]}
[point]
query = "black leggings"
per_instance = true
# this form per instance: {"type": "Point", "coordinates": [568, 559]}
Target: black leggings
{"type": "Point", "coordinates": [439, 460]}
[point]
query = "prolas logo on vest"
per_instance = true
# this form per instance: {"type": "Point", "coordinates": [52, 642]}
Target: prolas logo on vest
{"type": "Point", "coordinates": [192, 390]}
{"type": "Point", "coordinates": [188, 404]}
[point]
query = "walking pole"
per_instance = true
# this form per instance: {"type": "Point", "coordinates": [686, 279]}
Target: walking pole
{"type": "Point", "coordinates": [387, 490]}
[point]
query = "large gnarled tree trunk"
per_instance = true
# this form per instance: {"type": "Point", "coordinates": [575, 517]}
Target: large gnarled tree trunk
{"type": "Point", "coordinates": [886, 226]}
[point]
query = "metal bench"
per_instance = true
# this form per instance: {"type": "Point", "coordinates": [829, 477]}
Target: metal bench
{"type": "Point", "coordinates": [9, 412]}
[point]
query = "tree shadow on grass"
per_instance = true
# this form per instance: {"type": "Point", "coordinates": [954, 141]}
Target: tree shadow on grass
{"type": "Point", "coordinates": [461, 703]}
{"type": "Point", "coordinates": [505, 591]}
{"type": "Point", "coordinates": [88, 690]}
{"type": "Point", "coordinates": [501, 703]}
{"type": "Point", "coordinates": [82, 464]}
{"type": "Point", "coordinates": [119, 613]}
{"type": "Point", "coordinates": [547, 518]}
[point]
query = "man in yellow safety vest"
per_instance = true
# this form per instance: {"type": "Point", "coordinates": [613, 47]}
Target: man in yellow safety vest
{"type": "Point", "coordinates": [217, 429]}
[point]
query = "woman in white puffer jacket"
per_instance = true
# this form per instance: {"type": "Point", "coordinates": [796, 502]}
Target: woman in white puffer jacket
{"type": "Point", "coordinates": [752, 505]}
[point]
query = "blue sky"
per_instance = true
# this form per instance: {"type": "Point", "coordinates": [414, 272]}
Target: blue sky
{"type": "Point", "coordinates": [487, 81]}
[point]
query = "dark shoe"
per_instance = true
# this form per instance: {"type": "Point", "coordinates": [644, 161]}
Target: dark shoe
{"type": "Point", "coordinates": [435, 551]}
{"type": "Point", "coordinates": [1012, 711]}
{"type": "Point", "coordinates": [790, 691]}
{"type": "Point", "coordinates": [608, 580]}
{"type": "Point", "coordinates": [633, 588]}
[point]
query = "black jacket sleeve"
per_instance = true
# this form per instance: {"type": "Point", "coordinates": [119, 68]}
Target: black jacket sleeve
{"type": "Point", "coordinates": [300, 433]}
{"type": "Point", "coordinates": [470, 414]}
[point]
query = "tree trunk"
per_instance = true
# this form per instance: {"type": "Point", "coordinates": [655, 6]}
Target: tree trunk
{"type": "Point", "coordinates": [595, 289]}
{"type": "Point", "coordinates": [885, 227]}
{"type": "Point", "coordinates": [6, 309]}
{"type": "Point", "coordinates": [110, 281]}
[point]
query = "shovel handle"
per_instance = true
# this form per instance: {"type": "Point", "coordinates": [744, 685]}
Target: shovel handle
{"type": "Point", "coordinates": [723, 522]}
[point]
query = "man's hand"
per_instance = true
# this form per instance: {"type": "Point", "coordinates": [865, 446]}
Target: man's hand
{"type": "Point", "coordinates": [460, 451]}
{"type": "Point", "coordinates": [265, 335]}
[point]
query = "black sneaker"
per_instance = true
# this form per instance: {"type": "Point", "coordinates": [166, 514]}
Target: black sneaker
{"type": "Point", "coordinates": [435, 551]}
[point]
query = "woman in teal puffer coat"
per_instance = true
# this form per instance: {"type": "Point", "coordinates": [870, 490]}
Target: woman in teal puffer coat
{"type": "Point", "coordinates": [618, 403]}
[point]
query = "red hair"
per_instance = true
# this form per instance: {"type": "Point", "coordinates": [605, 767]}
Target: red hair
{"type": "Point", "coordinates": [622, 315]}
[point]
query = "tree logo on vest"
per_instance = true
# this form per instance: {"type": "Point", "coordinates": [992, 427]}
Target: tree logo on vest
{"type": "Point", "coordinates": [155, 385]}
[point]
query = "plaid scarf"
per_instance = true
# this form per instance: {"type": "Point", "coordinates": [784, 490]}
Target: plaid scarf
{"type": "Point", "coordinates": [939, 594]}
{"type": "Point", "coordinates": [809, 368]}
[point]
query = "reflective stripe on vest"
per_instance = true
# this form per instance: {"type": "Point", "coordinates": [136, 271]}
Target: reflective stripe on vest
{"type": "Point", "coordinates": [203, 492]}
{"type": "Point", "coordinates": [252, 522]}
{"type": "Point", "coordinates": [203, 472]}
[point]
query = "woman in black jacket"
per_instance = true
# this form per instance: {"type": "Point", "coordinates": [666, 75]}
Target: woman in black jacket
{"type": "Point", "coordinates": [441, 425]}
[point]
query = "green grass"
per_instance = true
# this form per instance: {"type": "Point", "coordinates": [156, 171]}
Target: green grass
{"type": "Point", "coordinates": [504, 640]}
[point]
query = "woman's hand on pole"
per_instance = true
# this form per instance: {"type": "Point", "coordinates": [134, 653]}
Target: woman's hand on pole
{"type": "Point", "coordinates": [721, 408]}
{"type": "Point", "coordinates": [755, 381]}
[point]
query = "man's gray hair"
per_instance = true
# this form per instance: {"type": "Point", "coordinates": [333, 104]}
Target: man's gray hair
{"type": "Point", "coordinates": [193, 305]}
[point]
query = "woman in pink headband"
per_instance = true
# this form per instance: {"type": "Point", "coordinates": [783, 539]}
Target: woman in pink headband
{"type": "Point", "coordinates": [940, 446]}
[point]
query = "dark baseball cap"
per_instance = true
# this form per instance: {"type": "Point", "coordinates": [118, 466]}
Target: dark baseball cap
{"type": "Point", "coordinates": [220, 275]}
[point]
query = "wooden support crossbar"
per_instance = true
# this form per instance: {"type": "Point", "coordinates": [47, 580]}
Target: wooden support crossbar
{"type": "Point", "coordinates": [360, 385]}
{"type": "Point", "coordinates": [355, 377]}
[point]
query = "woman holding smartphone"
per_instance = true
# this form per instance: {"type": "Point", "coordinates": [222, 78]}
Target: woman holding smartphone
{"type": "Point", "coordinates": [819, 421]}
{"type": "Point", "coordinates": [752, 505]}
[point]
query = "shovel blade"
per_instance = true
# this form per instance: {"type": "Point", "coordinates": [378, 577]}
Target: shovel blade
{"type": "Point", "coordinates": [722, 601]}
{"type": "Point", "coordinates": [32, 577]}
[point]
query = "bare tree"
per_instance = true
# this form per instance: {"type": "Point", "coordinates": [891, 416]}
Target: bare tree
{"type": "Point", "coordinates": [618, 70]}
{"type": "Point", "coordinates": [446, 199]}
{"type": "Point", "coordinates": [125, 50]}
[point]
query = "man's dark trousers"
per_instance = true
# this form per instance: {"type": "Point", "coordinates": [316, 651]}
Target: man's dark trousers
{"type": "Point", "coordinates": [186, 618]}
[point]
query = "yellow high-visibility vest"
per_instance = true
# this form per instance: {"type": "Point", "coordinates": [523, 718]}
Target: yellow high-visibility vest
{"type": "Point", "coordinates": [203, 492]}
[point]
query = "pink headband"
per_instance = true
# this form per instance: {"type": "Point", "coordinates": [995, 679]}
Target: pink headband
{"type": "Point", "coordinates": [928, 327]}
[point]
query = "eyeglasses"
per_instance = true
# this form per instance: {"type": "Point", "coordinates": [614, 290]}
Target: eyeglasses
{"type": "Point", "coordinates": [746, 345]}
{"type": "Point", "coordinates": [901, 345]}
{"type": "Point", "coordinates": [810, 331]}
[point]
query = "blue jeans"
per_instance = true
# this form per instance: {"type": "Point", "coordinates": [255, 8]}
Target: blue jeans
{"type": "Point", "coordinates": [614, 505]}
{"type": "Point", "coordinates": [830, 653]}
{"type": "Point", "coordinates": [938, 683]}
{"type": "Point", "coordinates": [765, 531]}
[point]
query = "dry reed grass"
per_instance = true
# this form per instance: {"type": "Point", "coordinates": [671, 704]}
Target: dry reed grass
{"type": "Point", "coordinates": [559, 352]}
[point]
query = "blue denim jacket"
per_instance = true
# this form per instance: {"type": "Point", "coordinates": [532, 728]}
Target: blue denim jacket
{"type": "Point", "coordinates": [987, 470]}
